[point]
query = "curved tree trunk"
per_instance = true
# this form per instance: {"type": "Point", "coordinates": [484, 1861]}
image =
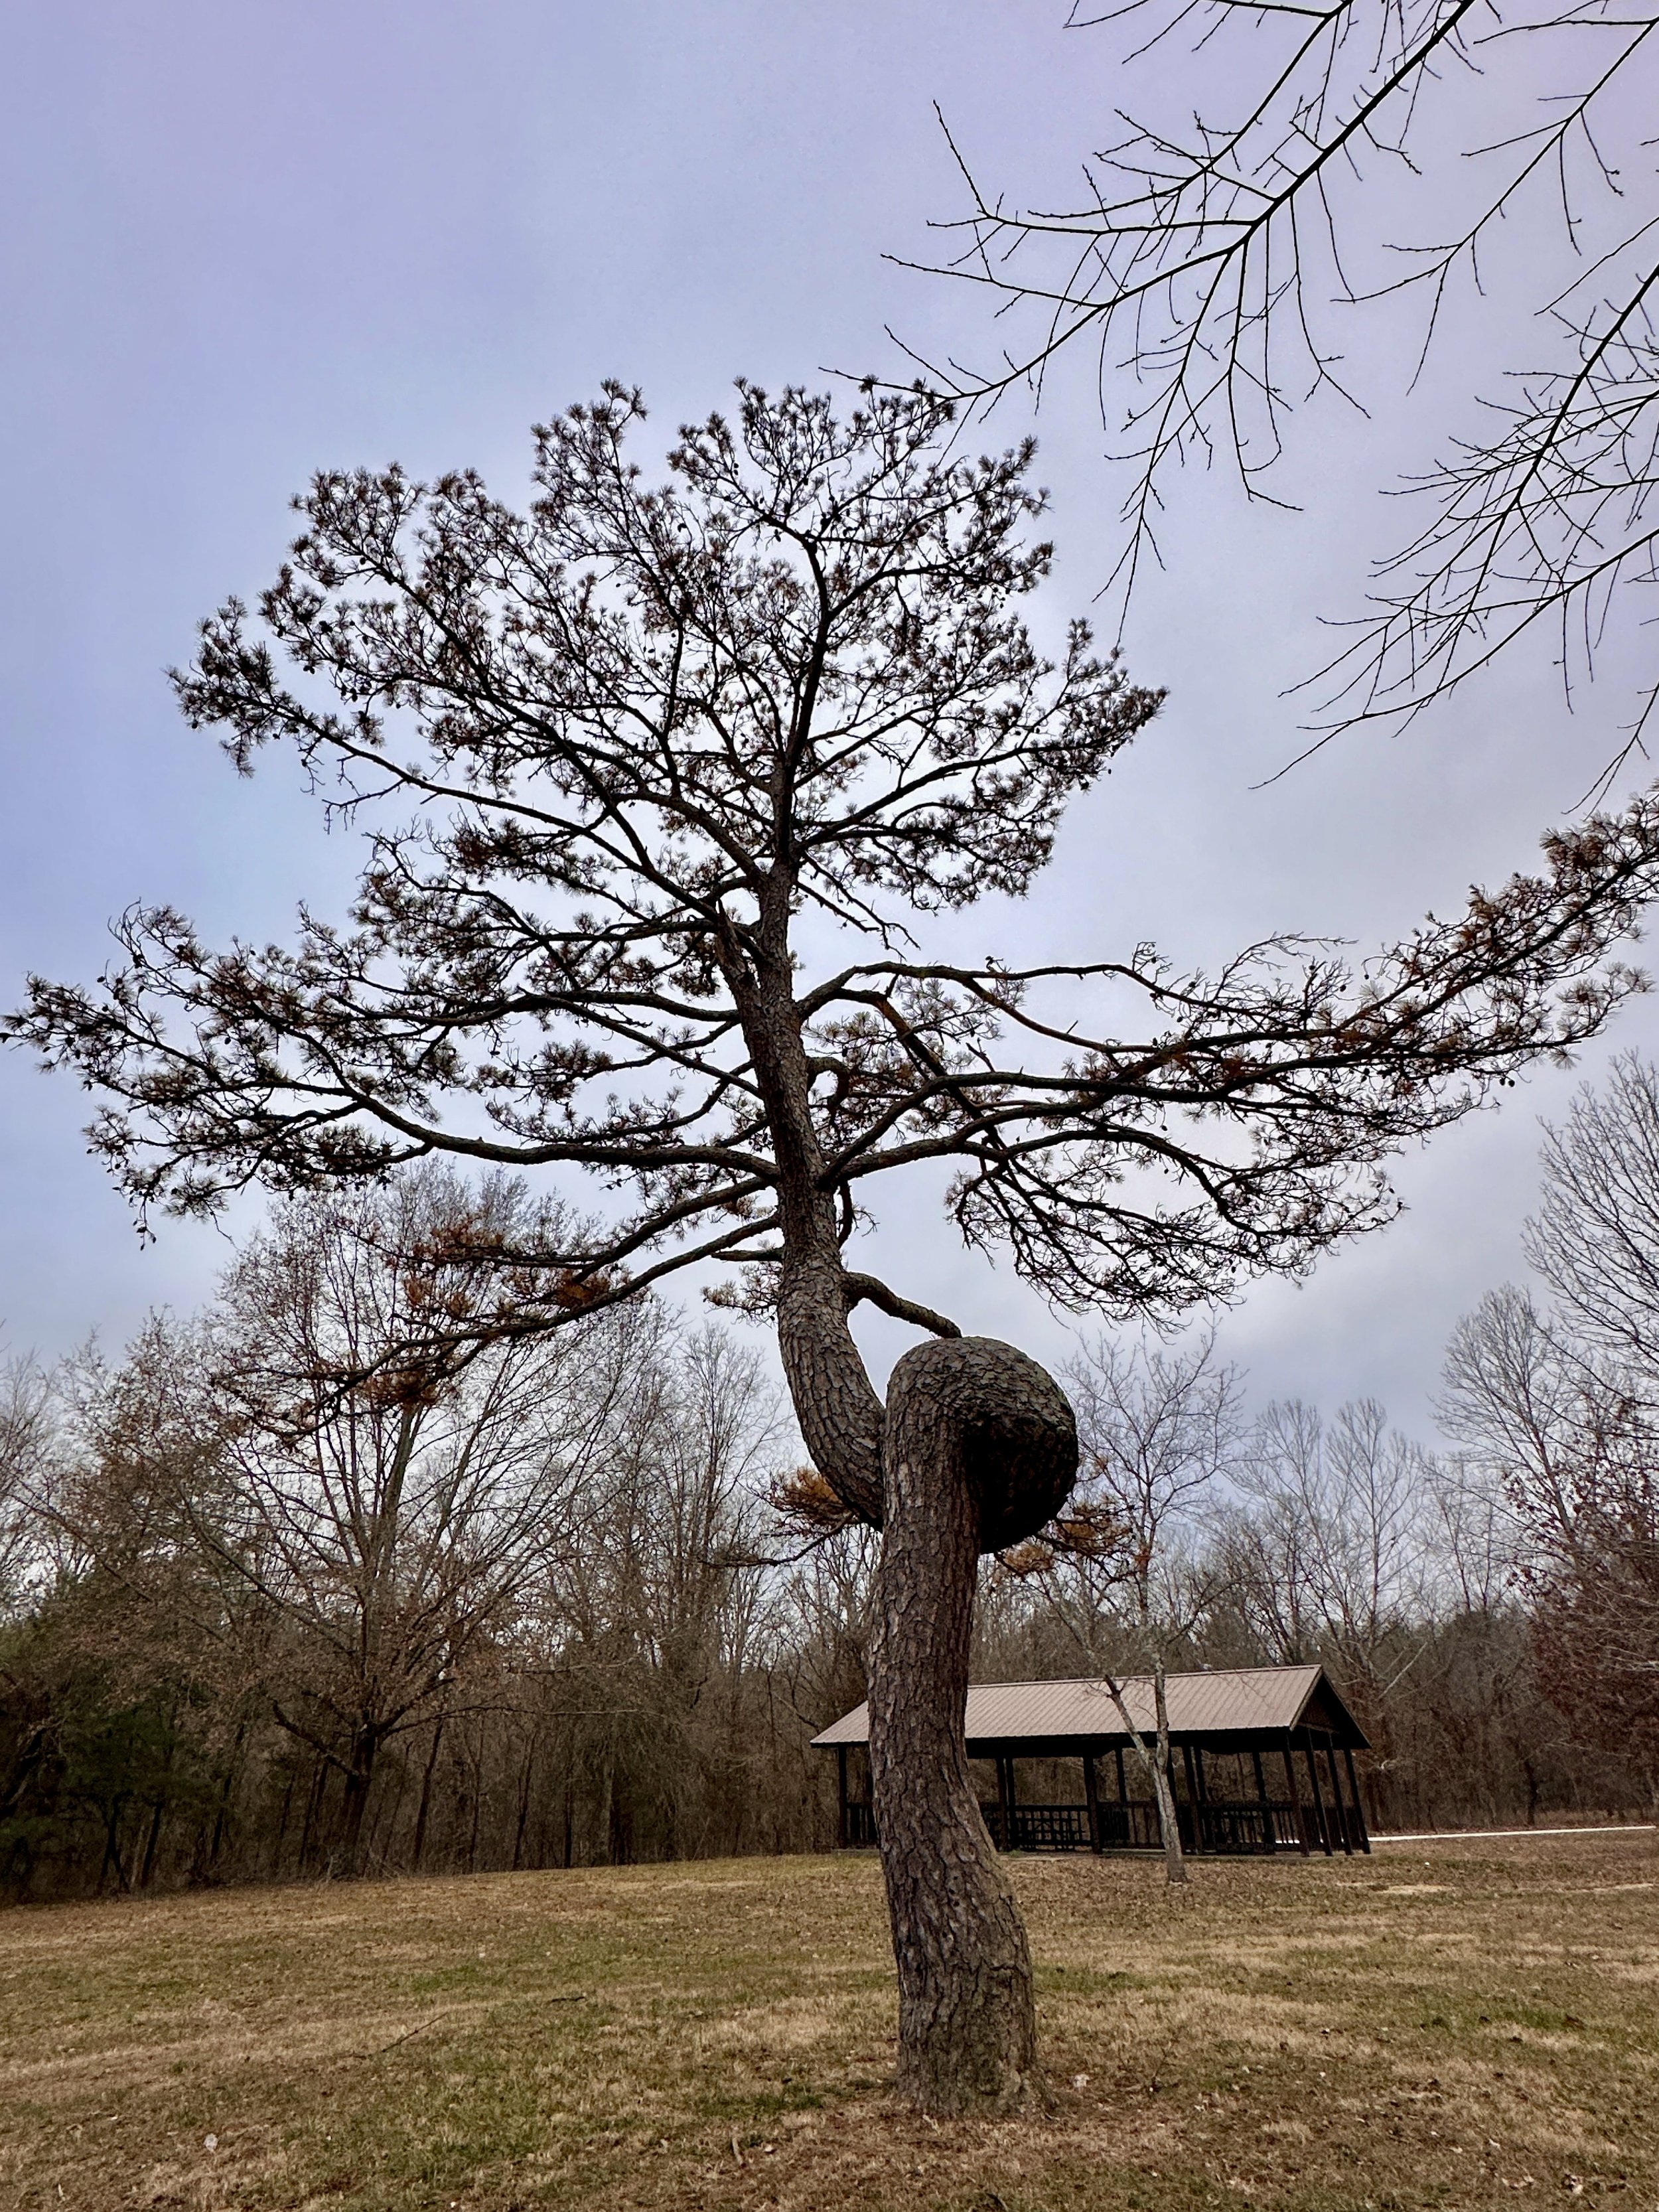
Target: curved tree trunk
{"type": "Point", "coordinates": [976, 1449]}
{"type": "Point", "coordinates": [977, 1438]}
{"type": "Point", "coordinates": [838, 1413]}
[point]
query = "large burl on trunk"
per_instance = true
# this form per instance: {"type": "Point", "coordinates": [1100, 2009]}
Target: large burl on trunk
{"type": "Point", "coordinates": [980, 1449]}
{"type": "Point", "coordinates": [976, 1449]}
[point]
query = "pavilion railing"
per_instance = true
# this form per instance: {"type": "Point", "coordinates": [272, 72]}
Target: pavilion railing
{"type": "Point", "coordinates": [1229, 1829]}
{"type": "Point", "coordinates": [1239, 1828]}
{"type": "Point", "coordinates": [1038, 1827]}
{"type": "Point", "coordinates": [1128, 1825]}
{"type": "Point", "coordinates": [1233, 1830]}
{"type": "Point", "coordinates": [861, 1827]}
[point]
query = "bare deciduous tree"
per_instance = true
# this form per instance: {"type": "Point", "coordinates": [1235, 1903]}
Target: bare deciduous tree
{"type": "Point", "coordinates": [1518, 1395]}
{"type": "Point", "coordinates": [27, 1441]}
{"type": "Point", "coordinates": [689, 767]}
{"type": "Point", "coordinates": [650, 1621]}
{"type": "Point", "coordinates": [1563, 1409]}
{"type": "Point", "coordinates": [379, 1501]}
{"type": "Point", "coordinates": [1331, 1553]}
{"type": "Point", "coordinates": [1160, 1430]}
{"type": "Point", "coordinates": [1596, 1238]}
{"type": "Point", "coordinates": [1577, 1453]}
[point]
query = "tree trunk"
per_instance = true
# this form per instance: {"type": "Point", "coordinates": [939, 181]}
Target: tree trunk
{"type": "Point", "coordinates": [478, 1815]}
{"type": "Point", "coordinates": [281, 1828]}
{"type": "Point", "coordinates": [112, 1849]}
{"type": "Point", "coordinates": [976, 1449]}
{"type": "Point", "coordinates": [977, 1438]}
{"type": "Point", "coordinates": [1169, 1826]}
{"type": "Point", "coordinates": [1153, 1757]}
{"type": "Point", "coordinates": [418, 1848]}
{"type": "Point", "coordinates": [313, 1807]}
{"type": "Point", "coordinates": [221, 1813]}
{"type": "Point", "coordinates": [1168, 1822]}
{"type": "Point", "coordinates": [152, 1843]}
{"type": "Point", "coordinates": [523, 1807]}
{"type": "Point", "coordinates": [838, 1413]}
{"type": "Point", "coordinates": [602, 1825]}
{"type": "Point", "coordinates": [359, 1781]}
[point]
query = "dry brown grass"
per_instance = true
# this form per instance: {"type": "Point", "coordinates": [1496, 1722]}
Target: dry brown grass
{"type": "Point", "coordinates": [1452, 2026]}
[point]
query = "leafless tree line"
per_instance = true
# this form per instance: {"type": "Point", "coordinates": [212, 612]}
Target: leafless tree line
{"type": "Point", "coordinates": [1492, 1614]}
{"type": "Point", "coordinates": [289, 1590]}
{"type": "Point", "coordinates": [306, 1586]}
{"type": "Point", "coordinates": [1294, 1537]}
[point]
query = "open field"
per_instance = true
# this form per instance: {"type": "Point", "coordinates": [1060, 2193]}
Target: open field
{"type": "Point", "coordinates": [1447, 2024]}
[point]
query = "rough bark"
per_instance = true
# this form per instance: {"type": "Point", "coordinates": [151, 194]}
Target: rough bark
{"type": "Point", "coordinates": [976, 1449]}
{"type": "Point", "coordinates": [838, 1413]}
{"type": "Point", "coordinates": [980, 1449]}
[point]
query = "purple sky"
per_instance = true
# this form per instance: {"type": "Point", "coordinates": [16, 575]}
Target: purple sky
{"type": "Point", "coordinates": [243, 242]}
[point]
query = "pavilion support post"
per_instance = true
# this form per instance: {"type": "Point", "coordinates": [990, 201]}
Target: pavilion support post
{"type": "Point", "coordinates": [1318, 1796]}
{"type": "Point", "coordinates": [841, 1779]}
{"type": "Point", "coordinates": [1295, 1797]}
{"type": "Point", "coordinates": [1122, 1786]}
{"type": "Point", "coordinates": [1358, 1803]}
{"type": "Point", "coordinates": [1269, 1841]}
{"type": "Point", "coordinates": [1336, 1792]}
{"type": "Point", "coordinates": [1197, 1843]}
{"type": "Point", "coordinates": [1006, 1797]}
{"type": "Point", "coordinates": [1091, 1793]}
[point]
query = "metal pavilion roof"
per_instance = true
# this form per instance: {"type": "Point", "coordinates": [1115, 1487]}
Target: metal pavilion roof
{"type": "Point", "coordinates": [1223, 1708]}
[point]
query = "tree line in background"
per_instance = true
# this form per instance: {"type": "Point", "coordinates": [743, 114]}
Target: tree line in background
{"type": "Point", "coordinates": [306, 1585]}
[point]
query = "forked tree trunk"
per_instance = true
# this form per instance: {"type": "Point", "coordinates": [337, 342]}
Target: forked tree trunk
{"type": "Point", "coordinates": [978, 1443]}
{"type": "Point", "coordinates": [354, 1803]}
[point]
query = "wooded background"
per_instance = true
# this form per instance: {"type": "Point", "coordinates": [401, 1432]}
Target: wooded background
{"type": "Point", "coordinates": [318, 1582]}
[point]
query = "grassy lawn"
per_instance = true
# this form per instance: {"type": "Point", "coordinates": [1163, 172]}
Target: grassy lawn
{"type": "Point", "coordinates": [1443, 2025]}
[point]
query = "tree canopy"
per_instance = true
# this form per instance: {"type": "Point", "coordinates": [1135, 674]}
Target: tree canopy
{"type": "Point", "coordinates": [639, 763]}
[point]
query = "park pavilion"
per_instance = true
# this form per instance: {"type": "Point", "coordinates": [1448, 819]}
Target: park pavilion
{"type": "Point", "coordinates": [1262, 1761]}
